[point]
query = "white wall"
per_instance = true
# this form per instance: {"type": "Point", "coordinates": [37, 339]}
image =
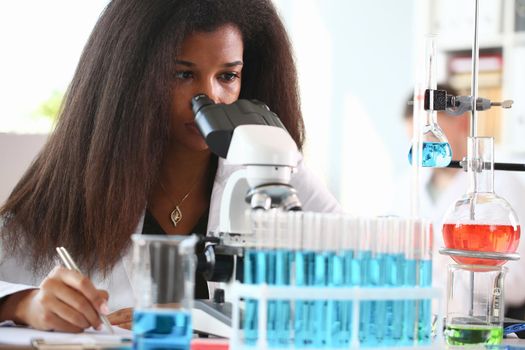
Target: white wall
{"type": "Point", "coordinates": [16, 153]}
{"type": "Point", "coordinates": [355, 61]}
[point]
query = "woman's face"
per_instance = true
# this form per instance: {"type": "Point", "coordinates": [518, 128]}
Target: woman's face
{"type": "Point", "coordinates": [209, 63]}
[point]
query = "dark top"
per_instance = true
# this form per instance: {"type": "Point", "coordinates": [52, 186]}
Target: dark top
{"type": "Point", "coordinates": [152, 227]}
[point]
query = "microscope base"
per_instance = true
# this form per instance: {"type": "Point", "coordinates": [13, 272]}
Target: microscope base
{"type": "Point", "coordinates": [212, 318]}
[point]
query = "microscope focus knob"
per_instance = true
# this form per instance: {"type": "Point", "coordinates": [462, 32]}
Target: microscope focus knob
{"type": "Point", "coordinates": [218, 296]}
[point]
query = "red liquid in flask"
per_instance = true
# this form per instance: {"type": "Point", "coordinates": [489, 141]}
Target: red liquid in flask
{"type": "Point", "coordinates": [485, 238]}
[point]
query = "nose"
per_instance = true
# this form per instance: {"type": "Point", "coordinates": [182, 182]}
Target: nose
{"type": "Point", "coordinates": [210, 89]}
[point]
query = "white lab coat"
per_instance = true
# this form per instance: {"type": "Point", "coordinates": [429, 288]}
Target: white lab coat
{"type": "Point", "coordinates": [15, 275]}
{"type": "Point", "coordinates": [508, 185]}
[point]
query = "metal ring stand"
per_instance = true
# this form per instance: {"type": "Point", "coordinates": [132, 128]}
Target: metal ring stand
{"type": "Point", "coordinates": [479, 255]}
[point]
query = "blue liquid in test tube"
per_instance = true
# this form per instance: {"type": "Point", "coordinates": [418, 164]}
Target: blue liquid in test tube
{"type": "Point", "coordinates": [347, 306]}
{"type": "Point", "coordinates": [320, 306]}
{"type": "Point", "coordinates": [250, 321]}
{"type": "Point", "coordinates": [279, 262]}
{"type": "Point", "coordinates": [337, 311]}
{"type": "Point", "coordinates": [435, 154]}
{"type": "Point", "coordinates": [304, 313]}
{"type": "Point", "coordinates": [378, 313]}
{"type": "Point", "coordinates": [362, 263]}
{"type": "Point", "coordinates": [394, 308]}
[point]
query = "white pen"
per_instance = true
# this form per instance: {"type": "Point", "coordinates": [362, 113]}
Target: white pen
{"type": "Point", "coordinates": [70, 264]}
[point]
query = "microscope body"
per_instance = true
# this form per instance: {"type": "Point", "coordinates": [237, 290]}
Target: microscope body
{"type": "Point", "coordinates": [248, 134]}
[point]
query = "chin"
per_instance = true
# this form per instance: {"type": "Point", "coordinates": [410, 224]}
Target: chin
{"type": "Point", "coordinates": [194, 144]}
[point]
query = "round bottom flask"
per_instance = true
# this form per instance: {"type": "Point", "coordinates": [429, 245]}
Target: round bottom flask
{"type": "Point", "coordinates": [481, 228]}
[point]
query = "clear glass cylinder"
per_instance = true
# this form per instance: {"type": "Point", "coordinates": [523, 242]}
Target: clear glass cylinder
{"type": "Point", "coordinates": [163, 281]}
{"type": "Point", "coordinates": [475, 311]}
{"type": "Point", "coordinates": [481, 220]}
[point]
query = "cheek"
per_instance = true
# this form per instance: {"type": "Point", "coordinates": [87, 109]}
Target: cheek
{"type": "Point", "coordinates": [231, 93]}
{"type": "Point", "coordinates": [180, 101]}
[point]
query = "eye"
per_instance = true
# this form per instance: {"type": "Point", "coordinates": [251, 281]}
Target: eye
{"type": "Point", "coordinates": [229, 76]}
{"type": "Point", "coordinates": [183, 75]}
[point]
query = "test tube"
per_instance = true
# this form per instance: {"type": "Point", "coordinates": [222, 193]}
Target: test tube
{"type": "Point", "coordinates": [320, 279]}
{"type": "Point", "coordinates": [418, 272]}
{"type": "Point", "coordinates": [279, 261]}
{"type": "Point", "coordinates": [349, 239]}
{"type": "Point", "coordinates": [332, 236]}
{"type": "Point", "coordinates": [378, 279]}
{"type": "Point", "coordinates": [252, 276]}
{"type": "Point", "coordinates": [304, 276]}
{"type": "Point", "coordinates": [394, 278]}
{"type": "Point", "coordinates": [262, 269]}
{"type": "Point", "coordinates": [363, 265]}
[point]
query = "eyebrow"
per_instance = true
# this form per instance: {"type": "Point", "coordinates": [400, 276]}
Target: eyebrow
{"type": "Point", "coordinates": [191, 64]}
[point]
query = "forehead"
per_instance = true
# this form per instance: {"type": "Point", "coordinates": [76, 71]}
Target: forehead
{"type": "Point", "coordinates": [224, 43]}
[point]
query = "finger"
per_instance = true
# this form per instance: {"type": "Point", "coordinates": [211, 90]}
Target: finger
{"type": "Point", "coordinates": [53, 322]}
{"type": "Point", "coordinates": [126, 325]}
{"type": "Point", "coordinates": [76, 301]}
{"type": "Point", "coordinates": [104, 294]}
{"type": "Point", "coordinates": [67, 313]}
{"type": "Point", "coordinates": [84, 285]}
{"type": "Point", "coordinates": [121, 316]}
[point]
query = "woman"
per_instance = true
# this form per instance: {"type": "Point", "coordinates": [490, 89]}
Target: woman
{"type": "Point", "coordinates": [126, 141]}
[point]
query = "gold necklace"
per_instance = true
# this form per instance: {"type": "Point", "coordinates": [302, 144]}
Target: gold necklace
{"type": "Point", "coordinates": [176, 214]}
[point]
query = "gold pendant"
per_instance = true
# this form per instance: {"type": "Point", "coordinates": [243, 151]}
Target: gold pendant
{"type": "Point", "coordinates": [176, 216]}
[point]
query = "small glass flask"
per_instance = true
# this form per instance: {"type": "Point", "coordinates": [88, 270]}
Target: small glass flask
{"type": "Point", "coordinates": [481, 221]}
{"type": "Point", "coordinates": [436, 151]}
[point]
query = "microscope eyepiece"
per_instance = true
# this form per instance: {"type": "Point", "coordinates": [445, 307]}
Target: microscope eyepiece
{"type": "Point", "coordinates": [199, 101]}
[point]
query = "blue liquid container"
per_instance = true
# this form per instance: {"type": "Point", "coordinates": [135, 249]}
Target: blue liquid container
{"type": "Point", "coordinates": [320, 306]}
{"type": "Point", "coordinates": [435, 154]}
{"type": "Point", "coordinates": [161, 329]}
{"type": "Point", "coordinates": [304, 309]}
{"type": "Point", "coordinates": [337, 313]}
{"type": "Point", "coordinates": [250, 320]}
{"type": "Point", "coordinates": [378, 315]}
{"type": "Point", "coordinates": [362, 269]}
{"type": "Point", "coordinates": [347, 306]}
{"type": "Point", "coordinates": [279, 311]}
{"type": "Point", "coordinates": [394, 308]}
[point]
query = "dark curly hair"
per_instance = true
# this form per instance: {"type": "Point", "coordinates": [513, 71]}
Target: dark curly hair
{"type": "Point", "coordinates": [88, 187]}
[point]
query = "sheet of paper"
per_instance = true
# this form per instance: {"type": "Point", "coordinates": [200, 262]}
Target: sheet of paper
{"type": "Point", "coordinates": [23, 336]}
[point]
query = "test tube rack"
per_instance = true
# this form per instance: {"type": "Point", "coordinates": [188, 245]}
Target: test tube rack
{"type": "Point", "coordinates": [263, 293]}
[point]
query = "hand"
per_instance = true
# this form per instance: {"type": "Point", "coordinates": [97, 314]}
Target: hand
{"type": "Point", "coordinates": [66, 301]}
{"type": "Point", "coordinates": [122, 318]}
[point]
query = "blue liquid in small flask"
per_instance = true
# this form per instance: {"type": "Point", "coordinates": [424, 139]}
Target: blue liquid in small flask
{"type": "Point", "coordinates": [161, 329]}
{"type": "Point", "coordinates": [434, 155]}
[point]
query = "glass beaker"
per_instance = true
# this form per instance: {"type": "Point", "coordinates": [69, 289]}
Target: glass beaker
{"type": "Point", "coordinates": [475, 304]}
{"type": "Point", "coordinates": [480, 220]}
{"type": "Point", "coordinates": [163, 281]}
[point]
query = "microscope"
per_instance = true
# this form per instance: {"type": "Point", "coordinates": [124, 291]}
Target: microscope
{"type": "Point", "coordinates": [248, 134]}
